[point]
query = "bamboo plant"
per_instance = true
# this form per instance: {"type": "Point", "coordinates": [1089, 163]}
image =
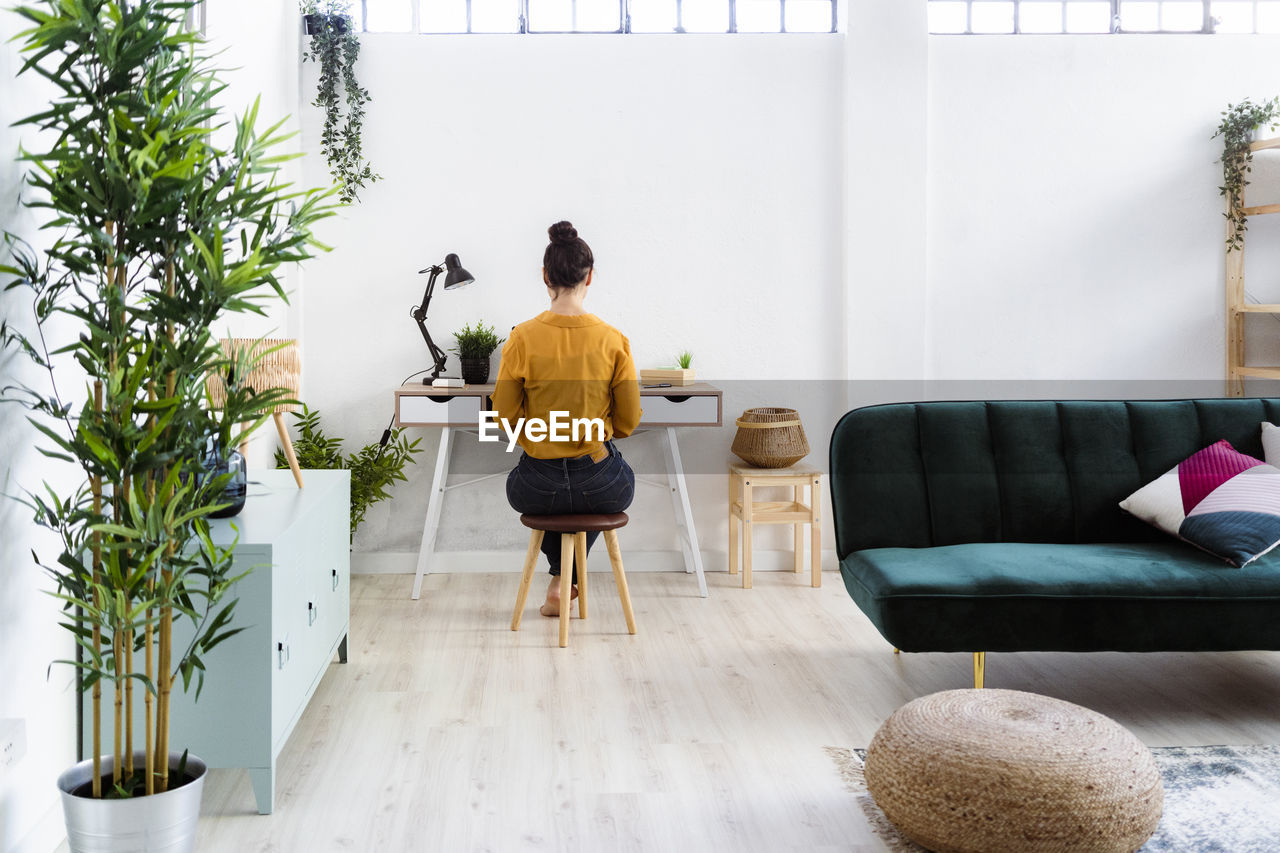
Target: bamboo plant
{"type": "Point", "coordinates": [162, 220]}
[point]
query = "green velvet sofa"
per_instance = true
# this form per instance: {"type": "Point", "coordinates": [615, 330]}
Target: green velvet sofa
{"type": "Point", "coordinates": [996, 526]}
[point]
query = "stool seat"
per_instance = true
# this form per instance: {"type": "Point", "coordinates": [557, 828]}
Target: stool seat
{"type": "Point", "coordinates": [575, 522]}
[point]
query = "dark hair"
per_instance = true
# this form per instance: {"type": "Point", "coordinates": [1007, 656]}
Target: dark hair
{"type": "Point", "coordinates": [568, 258]}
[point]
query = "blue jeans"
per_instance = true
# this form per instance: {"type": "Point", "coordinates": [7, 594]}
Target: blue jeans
{"type": "Point", "coordinates": [560, 486]}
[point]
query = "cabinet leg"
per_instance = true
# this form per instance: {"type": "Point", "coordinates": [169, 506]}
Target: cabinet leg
{"type": "Point", "coordinates": [264, 787]}
{"type": "Point", "coordinates": [342, 649]}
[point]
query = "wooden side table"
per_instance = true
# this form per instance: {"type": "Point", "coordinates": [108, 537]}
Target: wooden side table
{"type": "Point", "coordinates": [745, 512]}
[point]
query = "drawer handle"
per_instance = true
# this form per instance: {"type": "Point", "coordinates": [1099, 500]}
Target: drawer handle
{"type": "Point", "coordinates": [335, 580]}
{"type": "Point", "coordinates": [282, 652]}
{"type": "Point", "coordinates": [312, 612]}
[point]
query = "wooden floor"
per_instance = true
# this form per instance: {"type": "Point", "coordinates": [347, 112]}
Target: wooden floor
{"type": "Point", "coordinates": [704, 732]}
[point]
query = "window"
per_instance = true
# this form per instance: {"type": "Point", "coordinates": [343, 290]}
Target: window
{"type": "Point", "coordinates": [599, 16]}
{"type": "Point", "coordinates": [1103, 16]}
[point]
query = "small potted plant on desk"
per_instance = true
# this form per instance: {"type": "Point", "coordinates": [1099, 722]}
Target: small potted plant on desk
{"type": "Point", "coordinates": [473, 349]}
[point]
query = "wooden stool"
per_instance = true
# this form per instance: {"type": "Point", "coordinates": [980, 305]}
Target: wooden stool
{"type": "Point", "coordinates": [573, 531]}
{"type": "Point", "coordinates": [742, 481]}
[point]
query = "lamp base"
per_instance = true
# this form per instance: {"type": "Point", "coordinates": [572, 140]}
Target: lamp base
{"type": "Point", "coordinates": [444, 382]}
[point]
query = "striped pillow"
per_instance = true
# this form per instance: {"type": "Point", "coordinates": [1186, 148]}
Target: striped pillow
{"type": "Point", "coordinates": [1218, 499]}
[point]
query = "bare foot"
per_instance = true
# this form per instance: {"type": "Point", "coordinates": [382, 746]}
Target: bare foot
{"type": "Point", "coordinates": [552, 605]}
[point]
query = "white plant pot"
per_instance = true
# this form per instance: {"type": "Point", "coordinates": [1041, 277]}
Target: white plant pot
{"type": "Point", "coordinates": [1264, 131]}
{"type": "Point", "coordinates": [160, 823]}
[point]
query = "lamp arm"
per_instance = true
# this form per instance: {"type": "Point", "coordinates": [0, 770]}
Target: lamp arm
{"type": "Point", "coordinates": [420, 315]}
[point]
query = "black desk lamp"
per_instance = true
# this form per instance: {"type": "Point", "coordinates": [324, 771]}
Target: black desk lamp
{"type": "Point", "coordinates": [457, 277]}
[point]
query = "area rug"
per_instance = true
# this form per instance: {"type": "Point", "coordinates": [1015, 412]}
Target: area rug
{"type": "Point", "coordinates": [1216, 798]}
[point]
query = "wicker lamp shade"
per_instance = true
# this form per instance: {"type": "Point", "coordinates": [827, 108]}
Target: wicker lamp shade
{"type": "Point", "coordinates": [770, 437]}
{"type": "Point", "coordinates": [277, 363]}
{"type": "Point", "coordinates": [279, 369]}
{"type": "Point", "coordinates": [1003, 771]}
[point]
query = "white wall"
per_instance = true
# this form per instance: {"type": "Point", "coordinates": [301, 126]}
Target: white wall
{"type": "Point", "coordinates": [1075, 226]}
{"type": "Point", "coordinates": [262, 62]}
{"type": "Point", "coordinates": [30, 811]}
{"type": "Point", "coordinates": [886, 86]}
{"type": "Point", "coordinates": [705, 172]}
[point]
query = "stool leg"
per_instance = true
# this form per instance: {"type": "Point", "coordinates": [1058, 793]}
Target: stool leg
{"type": "Point", "coordinates": [580, 554]}
{"type": "Point", "coordinates": [797, 529]}
{"type": "Point", "coordinates": [734, 533]}
{"type": "Point", "coordinates": [526, 577]}
{"type": "Point", "coordinates": [746, 533]}
{"type": "Point", "coordinates": [620, 578]}
{"type": "Point", "coordinates": [815, 533]}
{"type": "Point", "coordinates": [979, 669]}
{"type": "Point", "coordinates": [287, 443]}
{"type": "Point", "coordinates": [566, 585]}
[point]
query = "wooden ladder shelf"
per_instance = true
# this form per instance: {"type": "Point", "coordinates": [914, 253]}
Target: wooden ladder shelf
{"type": "Point", "coordinates": [1237, 308]}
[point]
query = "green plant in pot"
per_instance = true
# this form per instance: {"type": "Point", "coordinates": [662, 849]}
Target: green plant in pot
{"type": "Point", "coordinates": [158, 230]}
{"type": "Point", "coordinates": [1238, 127]}
{"type": "Point", "coordinates": [474, 346]}
{"type": "Point", "coordinates": [373, 469]}
{"type": "Point", "coordinates": [334, 45]}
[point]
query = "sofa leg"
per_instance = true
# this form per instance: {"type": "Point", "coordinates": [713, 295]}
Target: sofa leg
{"type": "Point", "coordinates": [897, 651]}
{"type": "Point", "coordinates": [979, 668]}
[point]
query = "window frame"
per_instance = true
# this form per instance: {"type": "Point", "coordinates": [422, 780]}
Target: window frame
{"type": "Point", "coordinates": [1207, 25]}
{"type": "Point", "coordinates": [624, 21]}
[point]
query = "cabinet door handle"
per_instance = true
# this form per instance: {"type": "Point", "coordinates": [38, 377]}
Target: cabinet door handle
{"type": "Point", "coordinates": [335, 580]}
{"type": "Point", "coordinates": [282, 652]}
{"type": "Point", "coordinates": [313, 612]}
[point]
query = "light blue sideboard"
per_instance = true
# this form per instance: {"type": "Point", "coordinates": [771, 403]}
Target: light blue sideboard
{"type": "Point", "coordinates": [294, 607]}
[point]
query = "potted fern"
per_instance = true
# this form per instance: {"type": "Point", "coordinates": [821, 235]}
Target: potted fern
{"type": "Point", "coordinates": [334, 45]}
{"type": "Point", "coordinates": [160, 232]}
{"type": "Point", "coordinates": [374, 468]}
{"type": "Point", "coordinates": [474, 347]}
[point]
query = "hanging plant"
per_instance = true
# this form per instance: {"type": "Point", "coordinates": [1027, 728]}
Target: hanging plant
{"type": "Point", "coordinates": [1236, 129]}
{"type": "Point", "coordinates": [335, 47]}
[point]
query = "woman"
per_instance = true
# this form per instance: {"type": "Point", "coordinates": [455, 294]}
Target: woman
{"type": "Point", "coordinates": [569, 362]}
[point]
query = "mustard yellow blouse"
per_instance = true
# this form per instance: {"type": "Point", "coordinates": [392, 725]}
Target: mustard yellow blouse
{"type": "Point", "coordinates": [576, 364]}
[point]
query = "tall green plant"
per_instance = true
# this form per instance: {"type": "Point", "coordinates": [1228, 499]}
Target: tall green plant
{"type": "Point", "coordinates": [1236, 129]}
{"type": "Point", "coordinates": [159, 229]}
{"type": "Point", "coordinates": [335, 47]}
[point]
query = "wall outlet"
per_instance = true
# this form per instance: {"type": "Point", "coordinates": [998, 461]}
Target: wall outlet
{"type": "Point", "coordinates": [13, 742]}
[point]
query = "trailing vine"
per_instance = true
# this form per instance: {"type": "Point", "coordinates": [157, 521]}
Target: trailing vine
{"type": "Point", "coordinates": [335, 47]}
{"type": "Point", "coordinates": [1236, 129]}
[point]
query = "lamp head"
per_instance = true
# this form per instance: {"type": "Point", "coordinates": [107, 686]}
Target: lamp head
{"type": "Point", "coordinates": [456, 276]}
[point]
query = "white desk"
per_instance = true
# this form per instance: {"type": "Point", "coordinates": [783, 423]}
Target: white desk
{"type": "Point", "coordinates": [696, 405]}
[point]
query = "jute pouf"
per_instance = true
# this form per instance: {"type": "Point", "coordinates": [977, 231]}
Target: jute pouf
{"type": "Point", "coordinates": [990, 771]}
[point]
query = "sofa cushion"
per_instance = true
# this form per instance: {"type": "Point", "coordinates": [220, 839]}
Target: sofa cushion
{"type": "Point", "coordinates": [1217, 499]}
{"type": "Point", "coordinates": [988, 596]}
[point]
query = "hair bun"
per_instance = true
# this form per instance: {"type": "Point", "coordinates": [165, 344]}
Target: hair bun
{"type": "Point", "coordinates": [563, 232]}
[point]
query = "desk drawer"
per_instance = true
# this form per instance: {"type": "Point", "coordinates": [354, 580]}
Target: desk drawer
{"type": "Point", "coordinates": [702, 410]}
{"type": "Point", "coordinates": [421, 410]}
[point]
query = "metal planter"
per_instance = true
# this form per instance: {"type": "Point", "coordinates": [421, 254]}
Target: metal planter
{"type": "Point", "coordinates": [160, 823]}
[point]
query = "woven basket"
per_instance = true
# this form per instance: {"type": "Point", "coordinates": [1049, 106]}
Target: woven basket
{"type": "Point", "coordinates": [279, 369]}
{"type": "Point", "coordinates": [770, 438]}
